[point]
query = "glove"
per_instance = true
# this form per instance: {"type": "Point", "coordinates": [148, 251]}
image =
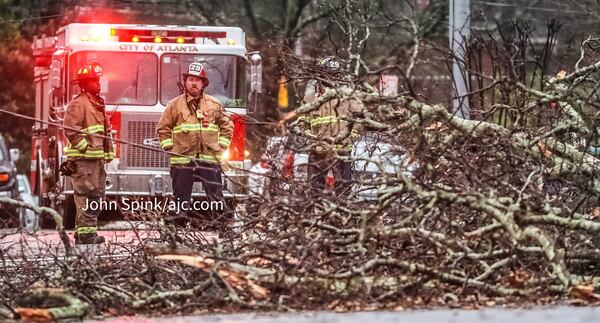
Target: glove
{"type": "Point", "coordinates": [67, 168]}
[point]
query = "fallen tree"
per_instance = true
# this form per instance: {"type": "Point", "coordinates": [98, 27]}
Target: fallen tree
{"type": "Point", "coordinates": [475, 213]}
{"type": "Point", "coordinates": [477, 217]}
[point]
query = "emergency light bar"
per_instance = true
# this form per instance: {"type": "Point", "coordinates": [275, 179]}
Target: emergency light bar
{"type": "Point", "coordinates": [103, 33]}
{"type": "Point", "coordinates": [165, 36]}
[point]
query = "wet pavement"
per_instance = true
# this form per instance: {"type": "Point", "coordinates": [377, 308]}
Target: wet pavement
{"type": "Point", "coordinates": [561, 314]}
{"type": "Point", "coordinates": [46, 246]}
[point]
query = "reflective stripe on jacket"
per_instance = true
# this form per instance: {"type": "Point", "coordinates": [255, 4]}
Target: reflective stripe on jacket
{"type": "Point", "coordinates": [85, 117]}
{"type": "Point", "coordinates": [203, 134]}
{"type": "Point", "coordinates": [332, 123]}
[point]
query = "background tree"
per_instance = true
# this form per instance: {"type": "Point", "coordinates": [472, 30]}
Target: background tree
{"type": "Point", "coordinates": [475, 212]}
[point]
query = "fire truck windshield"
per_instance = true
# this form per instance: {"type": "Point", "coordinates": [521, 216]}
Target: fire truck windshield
{"type": "Point", "coordinates": [128, 78]}
{"type": "Point", "coordinates": [225, 73]}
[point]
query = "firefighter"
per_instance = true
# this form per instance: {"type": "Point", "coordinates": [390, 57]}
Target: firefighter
{"type": "Point", "coordinates": [196, 127]}
{"type": "Point", "coordinates": [87, 153]}
{"type": "Point", "coordinates": [333, 124]}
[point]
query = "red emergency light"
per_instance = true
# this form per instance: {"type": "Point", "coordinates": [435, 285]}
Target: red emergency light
{"type": "Point", "coordinates": [43, 61]}
{"type": "Point", "coordinates": [238, 140]}
{"type": "Point", "coordinates": [115, 126]}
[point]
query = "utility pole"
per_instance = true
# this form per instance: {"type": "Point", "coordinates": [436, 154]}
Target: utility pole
{"type": "Point", "coordinates": [459, 25]}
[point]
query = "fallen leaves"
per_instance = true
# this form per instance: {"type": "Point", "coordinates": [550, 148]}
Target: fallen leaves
{"type": "Point", "coordinates": [71, 307]}
{"type": "Point", "coordinates": [547, 152]}
{"type": "Point", "coordinates": [517, 278]}
{"type": "Point", "coordinates": [584, 292]}
{"type": "Point", "coordinates": [259, 262]}
{"type": "Point", "coordinates": [34, 314]}
{"type": "Point", "coordinates": [438, 127]}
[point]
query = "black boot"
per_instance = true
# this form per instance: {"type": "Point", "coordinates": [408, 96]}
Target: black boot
{"type": "Point", "coordinates": [88, 238]}
{"type": "Point", "coordinates": [171, 234]}
{"type": "Point", "coordinates": [178, 220]}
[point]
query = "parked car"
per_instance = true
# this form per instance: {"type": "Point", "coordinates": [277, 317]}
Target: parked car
{"type": "Point", "coordinates": [29, 220]}
{"type": "Point", "coordinates": [284, 158]}
{"type": "Point", "coordinates": [374, 155]}
{"type": "Point", "coordinates": [8, 184]}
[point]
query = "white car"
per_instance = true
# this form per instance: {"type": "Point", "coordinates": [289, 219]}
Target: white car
{"type": "Point", "coordinates": [29, 220]}
{"type": "Point", "coordinates": [283, 158]}
{"type": "Point", "coordinates": [373, 156]}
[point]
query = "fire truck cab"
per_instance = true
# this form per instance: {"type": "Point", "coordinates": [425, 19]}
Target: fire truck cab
{"type": "Point", "coordinates": [143, 66]}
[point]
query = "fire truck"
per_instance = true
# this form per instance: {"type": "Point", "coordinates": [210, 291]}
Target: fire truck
{"type": "Point", "coordinates": [143, 66]}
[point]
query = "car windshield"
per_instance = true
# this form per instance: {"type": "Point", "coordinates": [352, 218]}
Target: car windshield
{"type": "Point", "coordinates": [128, 78]}
{"type": "Point", "coordinates": [226, 75]}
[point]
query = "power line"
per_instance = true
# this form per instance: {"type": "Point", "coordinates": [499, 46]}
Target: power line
{"type": "Point", "coordinates": [32, 18]}
{"type": "Point", "coordinates": [56, 124]}
{"type": "Point", "coordinates": [51, 16]}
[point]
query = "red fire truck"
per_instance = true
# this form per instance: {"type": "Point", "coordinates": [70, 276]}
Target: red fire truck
{"type": "Point", "coordinates": [142, 67]}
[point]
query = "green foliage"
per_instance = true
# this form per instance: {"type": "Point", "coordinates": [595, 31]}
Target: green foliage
{"type": "Point", "coordinates": [19, 21]}
{"type": "Point", "coordinates": [16, 67]}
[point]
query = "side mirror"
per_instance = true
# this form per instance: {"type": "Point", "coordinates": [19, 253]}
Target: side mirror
{"type": "Point", "coordinates": [15, 154]}
{"type": "Point", "coordinates": [21, 187]}
{"type": "Point", "coordinates": [256, 73]}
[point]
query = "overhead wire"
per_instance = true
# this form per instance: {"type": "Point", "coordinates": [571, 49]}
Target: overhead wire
{"type": "Point", "coordinates": [134, 144]}
{"type": "Point", "coordinates": [54, 15]}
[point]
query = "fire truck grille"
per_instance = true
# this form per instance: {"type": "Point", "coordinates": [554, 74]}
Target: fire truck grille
{"type": "Point", "coordinates": [141, 129]}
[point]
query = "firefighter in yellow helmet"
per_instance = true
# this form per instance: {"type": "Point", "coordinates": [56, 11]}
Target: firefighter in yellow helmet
{"type": "Point", "coordinates": [335, 127]}
{"type": "Point", "coordinates": [196, 127]}
{"type": "Point", "coordinates": [87, 153]}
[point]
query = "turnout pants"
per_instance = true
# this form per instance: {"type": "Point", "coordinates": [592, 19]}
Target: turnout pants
{"type": "Point", "coordinates": [319, 164]}
{"type": "Point", "coordinates": [183, 181]}
{"type": "Point", "coordinates": [89, 186]}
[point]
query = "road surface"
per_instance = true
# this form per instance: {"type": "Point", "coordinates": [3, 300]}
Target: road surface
{"type": "Point", "coordinates": [45, 245]}
{"type": "Point", "coordinates": [561, 314]}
